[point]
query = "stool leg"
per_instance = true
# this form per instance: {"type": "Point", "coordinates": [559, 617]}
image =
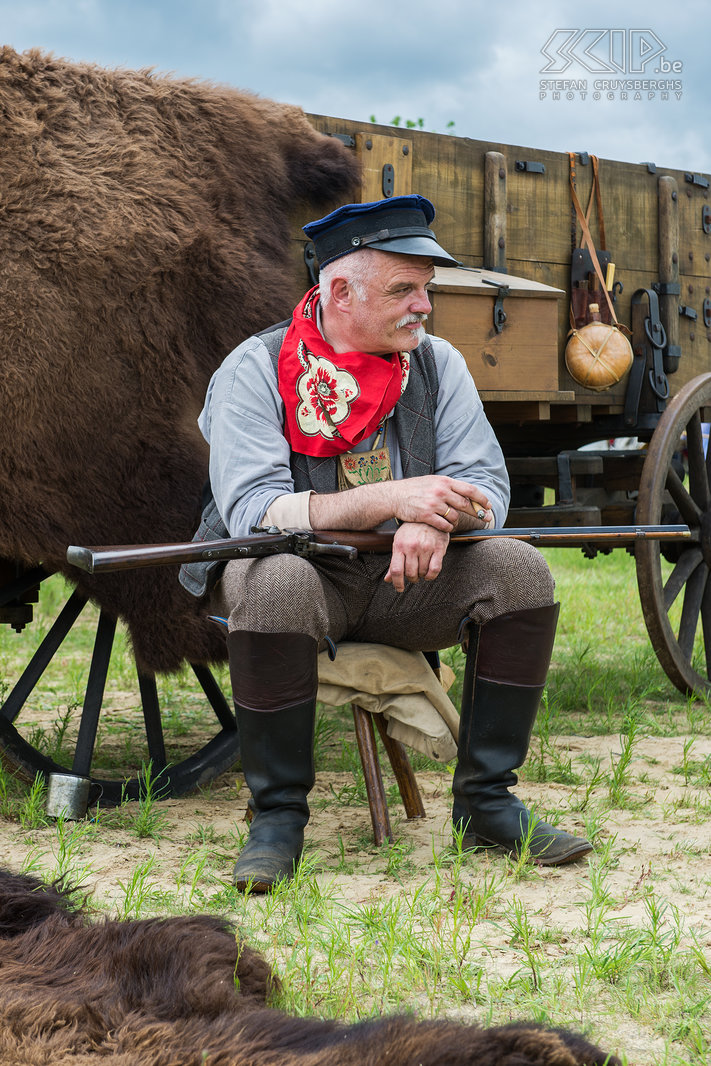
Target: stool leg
{"type": "Point", "coordinates": [365, 735]}
{"type": "Point", "coordinates": [404, 774]}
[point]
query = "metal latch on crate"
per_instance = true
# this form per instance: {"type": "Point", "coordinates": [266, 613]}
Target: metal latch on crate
{"type": "Point", "coordinates": [499, 313]}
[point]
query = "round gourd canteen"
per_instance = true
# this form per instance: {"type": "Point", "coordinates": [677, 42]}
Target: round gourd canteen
{"type": "Point", "coordinates": [597, 355]}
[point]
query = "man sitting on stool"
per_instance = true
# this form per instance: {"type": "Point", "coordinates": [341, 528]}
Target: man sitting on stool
{"type": "Point", "coordinates": [350, 417]}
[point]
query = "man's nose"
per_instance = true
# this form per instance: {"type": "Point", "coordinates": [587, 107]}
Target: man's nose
{"type": "Point", "coordinates": [420, 304]}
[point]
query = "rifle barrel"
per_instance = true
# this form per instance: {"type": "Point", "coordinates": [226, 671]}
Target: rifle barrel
{"type": "Point", "coordinates": [130, 556]}
{"type": "Point", "coordinates": [572, 536]}
{"type": "Point", "coordinates": [96, 560]}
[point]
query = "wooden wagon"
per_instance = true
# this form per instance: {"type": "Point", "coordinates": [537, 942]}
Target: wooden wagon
{"type": "Point", "coordinates": [505, 213]}
{"type": "Point", "coordinates": [508, 212]}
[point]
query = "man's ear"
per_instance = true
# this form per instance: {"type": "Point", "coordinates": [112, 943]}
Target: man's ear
{"type": "Point", "coordinates": [341, 294]}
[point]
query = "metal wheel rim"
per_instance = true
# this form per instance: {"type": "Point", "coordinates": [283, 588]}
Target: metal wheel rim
{"type": "Point", "coordinates": [689, 578]}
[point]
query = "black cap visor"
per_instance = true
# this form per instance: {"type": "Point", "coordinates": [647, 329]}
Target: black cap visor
{"type": "Point", "coordinates": [426, 246]}
{"type": "Point", "coordinates": [402, 231]}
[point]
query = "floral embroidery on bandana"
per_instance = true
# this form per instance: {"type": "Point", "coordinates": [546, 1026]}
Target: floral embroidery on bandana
{"type": "Point", "coordinates": [327, 393]}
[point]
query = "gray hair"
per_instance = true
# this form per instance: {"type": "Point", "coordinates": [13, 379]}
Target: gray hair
{"type": "Point", "coordinates": [356, 267]}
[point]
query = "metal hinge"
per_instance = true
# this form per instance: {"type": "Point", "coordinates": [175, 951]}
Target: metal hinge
{"type": "Point", "coordinates": [643, 356]}
{"type": "Point", "coordinates": [529, 166]}
{"type": "Point", "coordinates": [697, 179]}
{"type": "Point", "coordinates": [388, 179]}
{"type": "Point", "coordinates": [667, 288]}
{"type": "Point", "coordinates": [344, 138]}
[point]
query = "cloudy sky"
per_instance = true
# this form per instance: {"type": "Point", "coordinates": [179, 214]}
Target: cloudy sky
{"type": "Point", "coordinates": [474, 63]}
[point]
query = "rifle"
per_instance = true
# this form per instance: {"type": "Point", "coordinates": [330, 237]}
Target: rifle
{"type": "Point", "coordinates": [312, 543]}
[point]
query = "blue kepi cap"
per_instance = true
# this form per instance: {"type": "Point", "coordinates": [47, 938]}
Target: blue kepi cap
{"type": "Point", "coordinates": [399, 224]}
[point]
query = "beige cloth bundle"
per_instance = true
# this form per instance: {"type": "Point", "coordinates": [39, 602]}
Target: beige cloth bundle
{"type": "Point", "coordinates": [401, 686]}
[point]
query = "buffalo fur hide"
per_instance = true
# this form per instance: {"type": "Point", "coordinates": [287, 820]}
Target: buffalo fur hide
{"type": "Point", "coordinates": [186, 992]}
{"type": "Point", "coordinates": [145, 226]}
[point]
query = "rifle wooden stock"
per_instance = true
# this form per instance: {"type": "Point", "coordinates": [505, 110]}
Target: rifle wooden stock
{"type": "Point", "coordinates": [96, 560]}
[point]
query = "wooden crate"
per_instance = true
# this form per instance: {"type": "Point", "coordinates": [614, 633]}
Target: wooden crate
{"type": "Point", "coordinates": [523, 354]}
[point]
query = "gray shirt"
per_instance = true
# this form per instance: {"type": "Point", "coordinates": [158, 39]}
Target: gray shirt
{"type": "Point", "coordinates": [243, 420]}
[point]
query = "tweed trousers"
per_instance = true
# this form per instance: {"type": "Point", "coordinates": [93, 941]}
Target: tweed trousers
{"type": "Point", "coordinates": [328, 596]}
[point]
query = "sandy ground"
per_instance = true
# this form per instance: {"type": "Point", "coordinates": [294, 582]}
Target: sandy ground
{"type": "Point", "coordinates": [662, 842]}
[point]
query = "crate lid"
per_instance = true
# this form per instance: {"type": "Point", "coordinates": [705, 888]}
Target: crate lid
{"type": "Point", "coordinates": [480, 282]}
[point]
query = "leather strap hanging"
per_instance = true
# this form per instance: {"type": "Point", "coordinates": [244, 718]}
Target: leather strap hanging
{"type": "Point", "coordinates": [598, 201]}
{"type": "Point", "coordinates": [586, 239]}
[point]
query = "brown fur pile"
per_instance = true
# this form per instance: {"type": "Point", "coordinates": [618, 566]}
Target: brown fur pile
{"type": "Point", "coordinates": [145, 231]}
{"type": "Point", "coordinates": [186, 992]}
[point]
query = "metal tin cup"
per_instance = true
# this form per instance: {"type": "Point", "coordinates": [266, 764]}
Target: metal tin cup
{"type": "Point", "coordinates": [67, 796]}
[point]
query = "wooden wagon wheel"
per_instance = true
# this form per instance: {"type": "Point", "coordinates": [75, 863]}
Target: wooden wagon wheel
{"type": "Point", "coordinates": [676, 477]}
{"type": "Point", "coordinates": [19, 753]}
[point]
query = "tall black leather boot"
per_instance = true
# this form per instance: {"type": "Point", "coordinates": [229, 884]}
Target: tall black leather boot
{"type": "Point", "coordinates": [506, 669]}
{"type": "Point", "coordinates": [274, 684]}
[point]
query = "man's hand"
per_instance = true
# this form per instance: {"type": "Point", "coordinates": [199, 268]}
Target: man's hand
{"type": "Point", "coordinates": [441, 502]}
{"type": "Point", "coordinates": [418, 551]}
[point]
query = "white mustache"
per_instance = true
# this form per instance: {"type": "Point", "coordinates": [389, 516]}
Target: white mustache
{"type": "Point", "coordinates": [415, 316]}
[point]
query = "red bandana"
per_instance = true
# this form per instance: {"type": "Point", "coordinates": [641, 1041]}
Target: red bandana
{"type": "Point", "coordinates": [333, 401]}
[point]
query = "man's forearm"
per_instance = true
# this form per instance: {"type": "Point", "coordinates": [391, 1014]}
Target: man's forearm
{"type": "Point", "coordinates": [362, 507]}
{"type": "Point", "coordinates": [433, 499]}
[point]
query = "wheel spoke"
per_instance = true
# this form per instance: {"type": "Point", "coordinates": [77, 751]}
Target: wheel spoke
{"type": "Point", "coordinates": [215, 696]}
{"type": "Point", "coordinates": [698, 478]}
{"type": "Point", "coordinates": [680, 575]}
{"type": "Point", "coordinates": [706, 626]}
{"type": "Point", "coordinates": [152, 720]}
{"type": "Point", "coordinates": [94, 695]}
{"type": "Point", "coordinates": [693, 597]}
{"type": "Point", "coordinates": [43, 656]}
{"type": "Point", "coordinates": [689, 510]}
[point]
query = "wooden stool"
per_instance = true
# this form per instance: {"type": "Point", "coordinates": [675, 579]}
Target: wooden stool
{"type": "Point", "coordinates": [404, 774]}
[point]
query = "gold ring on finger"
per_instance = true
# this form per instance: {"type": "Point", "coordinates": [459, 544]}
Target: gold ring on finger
{"type": "Point", "coordinates": [446, 512]}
